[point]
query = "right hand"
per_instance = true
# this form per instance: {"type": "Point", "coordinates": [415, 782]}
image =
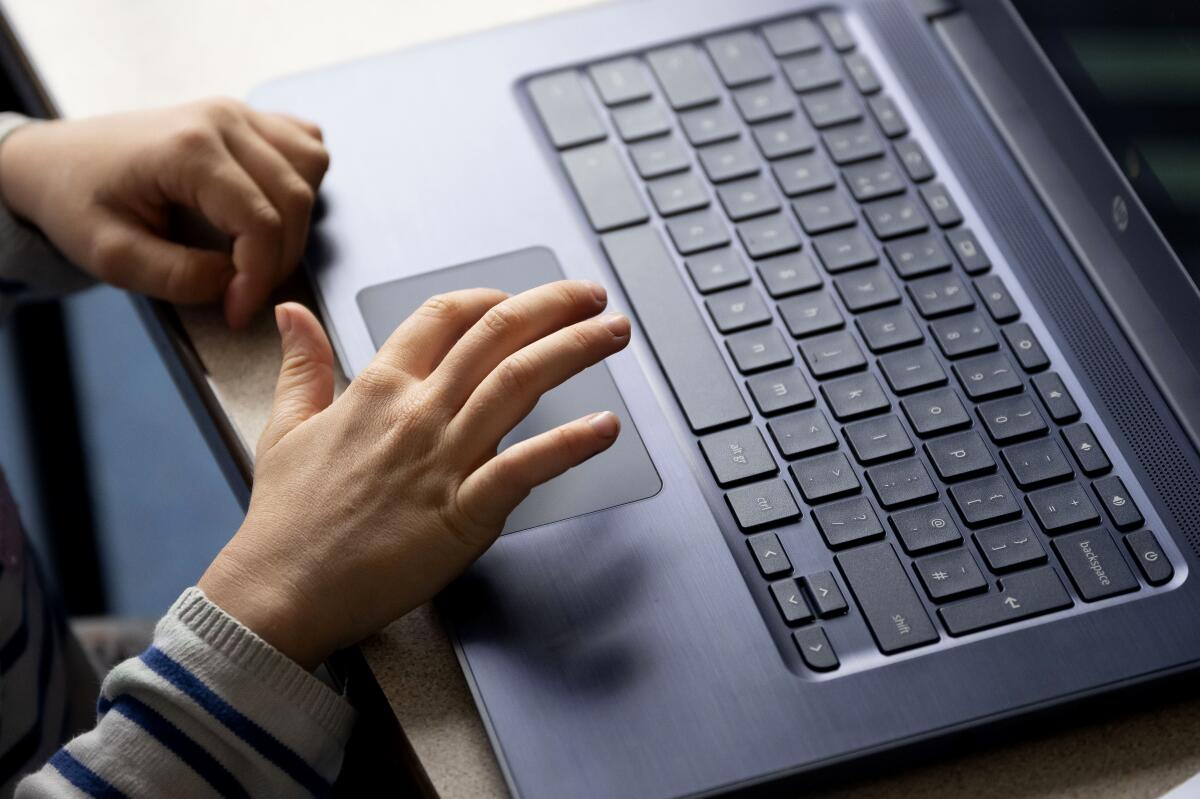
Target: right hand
{"type": "Point", "coordinates": [364, 508]}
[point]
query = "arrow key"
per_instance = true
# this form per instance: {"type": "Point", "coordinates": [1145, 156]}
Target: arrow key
{"type": "Point", "coordinates": [824, 594]}
{"type": "Point", "coordinates": [790, 601]}
{"type": "Point", "coordinates": [815, 649]}
{"type": "Point", "coordinates": [768, 553]}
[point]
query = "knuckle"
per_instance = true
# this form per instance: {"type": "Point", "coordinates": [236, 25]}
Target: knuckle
{"type": "Point", "coordinates": [318, 157]}
{"type": "Point", "coordinates": [501, 320]}
{"type": "Point", "coordinates": [222, 110]}
{"type": "Point", "coordinates": [514, 373]}
{"type": "Point", "coordinates": [581, 337]}
{"type": "Point", "coordinates": [377, 380]}
{"type": "Point", "coordinates": [300, 196]}
{"type": "Point", "coordinates": [191, 140]}
{"type": "Point", "coordinates": [265, 220]}
{"type": "Point", "coordinates": [440, 307]}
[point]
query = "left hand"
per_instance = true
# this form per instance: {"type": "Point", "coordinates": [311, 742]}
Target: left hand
{"type": "Point", "coordinates": [102, 190]}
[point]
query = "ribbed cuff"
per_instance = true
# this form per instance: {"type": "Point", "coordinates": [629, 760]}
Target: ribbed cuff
{"type": "Point", "coordinates": [275, 670]}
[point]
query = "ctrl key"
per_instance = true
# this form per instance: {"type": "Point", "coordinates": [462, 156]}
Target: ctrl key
{"type": "Point", "coordinates": [1021, 596]}
{"type": "Point", "coordinates": [815, 649]}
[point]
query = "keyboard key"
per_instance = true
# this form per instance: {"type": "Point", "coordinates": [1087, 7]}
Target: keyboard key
{"type": "Point", "coordinates": [1010, 546]}
{"type": "Point", "coordinates": [870, 180]}
{"type": "Point", "coordinates": [641, 120]}
{"type": "Point", "coordinates": [888, 328]}
{"type": "Point", "coordinates": [823, 211]}
{"type": "Point", "coordinates": [603, 185]}
{"type": "Point", "coordinates": [620, 81]}
{"type": "Point", "coordinates": [565, 109]}
{"type": "Point", "coordinates": [844, 249]}
{"type": "Point", "coordinates": [987, 376]}
{"type": "Point", "coordinates": [717, 269]}
{"type": "Point", "coordinates": [824, 595]}
{"type": "Point", "coordinates": [862, 73]}
{"type": "Point", "coordinates": [854, 142]}
{"type": "Point", "coordinates": [764, 101]}
{"type": "Point", "coordinates": [1012, 419]}
{"type": "Point", "coordinates": [1116, 500]}
{"type": "Point", "coordinates": [784, 390]}
{"type": "Point", "coordinates": [925, 528]}
{"type": "Point", "coordinates": [972, 257]}
{"type": "Point", "coordinates": [784, 137]}
{"type": "Point", "coordinates": [835, 28]}
{"type": "Point", "coordinates": [740, 58]}
{"type": "Point", "coordinates": [1095, 564]}
{"type": "Point", "coordinates": [884, 593]}
{"type": "Point", "coordinates": [702, 230]}
{"type": "Point", "coordinates": [960, 455]}
{"type": "Point", "coordinates": [851, 521]}
{"type": "Point", "coordinates": [864, 289]}
{"type": "Point", "coordinates": [788, 274]}
{"type": "Point", "coordinates": [747, 198]}
{"type": "Point", "coordinates": [890, 120]}
{"type": "Point", "coordinates": [1023, 596]}
{"type": "Point", "coordinates": [985, 501]}
{"type": "Point", "coordinates": [996, 298]}
{"type": "Point", "coordinates": [790, 601]}
{"type": "Point", "coordinates": [683, 75]}
{"type": "Point", "coordinates": [768, 235]}
{"type": "Point", "coordinates": [964, 334]}
{"type": "Point", "coordinates": [831, 107]}
{"type": "Point", "coordinates": [1062, 508]}
{"type": "Point", "coordinates": [811, 71]}
{"type": "Point", "coordinates": [950, 575]}
{"type": "Point", "coordinates": [791, 36]}
{"type": "Point", "coordinates": [728, 161]}
{"type": "Point", "coordinates": [678, 334]}
{"type": "Point", "coordinates": [941, 205]}
{"type": "Point", "coordinates": [935, 412]}
{"type": "Point", "coordinates": [916, 163]}
{"type": "Point", "coordinates": [873, 440]}
{"type": "Point", "coordinates": [737, 309]}
{"type": "Point", "coordinates": [1151, 559]}
{"type": "Point", "coordinates": [918, 255]}
{"type": "Point", "coordinates": [802, 433]}
{"type": "Point", "coordinates": [802, 174]}
{"type": "Point", "coordinates": [1025, 347]}
{"type": "Point", "coordinates": [894, 216]}
{"type": "Point", "coordinates": [756, 350]}
{"type": "Point", "coordinates": [737, 455]}
{"type": "Point", "coordinates": [832, 354]}
{"type": "Point", "coordinates": [1087, 450]}
{"type": "Point", "coordinates": [769, 555]}
{"type": "Point", "coordinates": [809, 314]}
{"type": "Point", "coordinates": [912, 370]}
{"type": "Point", "coordinates": [814, 648]}
{"type": "Point", "coordinates": [1056, 398]}
{"type": "Point", "coordinates": [901, 483]}
{"type": "Point", "coordinates": [1037, 463]}
{"type": "Point", "coordinates": [710, 124]}
{"type": "Point", "coordinates": [762, 505]}
{"type": "Point", "coordinates": [854, 396]}
{"type": "Point", "coordinates": [675, 194]}
{"type": "Point", "coordinates": [658, 157]}
{"type": "Point", "coordinates": [824, 477]}
{"type": "Point", "coordinates": [940, 295]}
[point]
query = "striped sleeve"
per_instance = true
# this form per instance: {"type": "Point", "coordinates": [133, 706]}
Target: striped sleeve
{"type": "Point", "coordinates": [209, 709]}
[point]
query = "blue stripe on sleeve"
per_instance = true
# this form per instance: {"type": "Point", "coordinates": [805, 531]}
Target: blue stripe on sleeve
{"type": "Point", "coordinates": [183, 747]}
{"type": "Point", "coordinates": [255, 736]}
{"type": "Point", "coordinates": [83, 777]}
{"type": "Point", "coordinates": [103, 705]}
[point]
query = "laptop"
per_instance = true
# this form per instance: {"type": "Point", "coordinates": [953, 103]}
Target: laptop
{"type": "Point", "coordinates": [910, 412]}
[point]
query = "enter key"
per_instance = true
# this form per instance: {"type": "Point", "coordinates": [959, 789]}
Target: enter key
{"type": "Point", "coordinates": [1021, 596]}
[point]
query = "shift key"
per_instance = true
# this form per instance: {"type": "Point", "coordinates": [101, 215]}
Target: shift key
{"type": "Point", "coordinates": [599, 176]}
{"type": "Point", "coordinates": [884, 593]}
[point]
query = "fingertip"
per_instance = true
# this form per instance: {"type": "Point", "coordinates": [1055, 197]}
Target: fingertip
{"type": "Point", "coordinates": [605, 424]}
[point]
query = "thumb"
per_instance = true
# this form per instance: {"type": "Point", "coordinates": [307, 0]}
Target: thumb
{"type": "Point", "coordinates": [305, 384]}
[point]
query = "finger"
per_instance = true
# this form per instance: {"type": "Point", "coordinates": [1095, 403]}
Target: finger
{"type": "Point", "coordinates": [298, 141]}
{"type": "Point", "coordinates": [422, 340]}
{"type": "Point", "coordinates": [132, 257]}
{"type": "Point", "coordinates": [305, 385]}
{"type": "Point", "coordinates": [508, 394]}
{"type": "Point", "coordinates": [509, 326]}
{"type": "Point", "coordinates": [491, 492]}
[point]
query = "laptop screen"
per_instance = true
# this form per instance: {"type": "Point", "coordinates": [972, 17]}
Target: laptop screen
{"type": "Point", "coordinates": [1134, 69]}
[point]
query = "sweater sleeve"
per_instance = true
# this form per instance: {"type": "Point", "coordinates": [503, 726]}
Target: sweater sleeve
{"type": "Point", "coordinates": [30, 266]}
{"type": "Point", "coordinates": [208, 709]}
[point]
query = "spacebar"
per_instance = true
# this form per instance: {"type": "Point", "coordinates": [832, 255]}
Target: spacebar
{"type": "Point", "coordinates": [685, 348]}
{"type": "Point", "coordinates": [890, 605]}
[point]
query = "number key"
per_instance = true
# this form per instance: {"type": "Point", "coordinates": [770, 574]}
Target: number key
{"type": "Point", "coordinates": [939, 295]}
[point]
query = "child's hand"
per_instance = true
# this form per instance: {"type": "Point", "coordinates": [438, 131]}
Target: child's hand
{"type": "Point", "coordinates": [365, 508]}
{"type": "Point", "coordinates": [101, 189]}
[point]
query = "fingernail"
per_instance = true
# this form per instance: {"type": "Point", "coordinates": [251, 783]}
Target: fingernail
{"type": "Point", "coordinates": [605, 423]}
{"type": "Point", "coordinates": [617, 324]}
{"type": "Point", "coordinates": [283, 320]}
{"type": "Point", "coordinates": [597, 291]}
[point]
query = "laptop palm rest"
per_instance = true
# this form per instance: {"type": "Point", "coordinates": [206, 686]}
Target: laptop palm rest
{"type": "Point", "coordinates": [622, 474]}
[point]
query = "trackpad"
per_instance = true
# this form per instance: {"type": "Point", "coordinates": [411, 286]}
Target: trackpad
{"type": "Point", "coordinates": [622, 474]}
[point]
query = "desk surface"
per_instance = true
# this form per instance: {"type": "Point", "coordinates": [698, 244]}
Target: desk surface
{"type": "Point", "coordinates": [99, 56]}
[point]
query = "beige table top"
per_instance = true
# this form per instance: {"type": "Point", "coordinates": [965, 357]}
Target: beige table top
{"type": "Point", "coordinates": [98, 56]}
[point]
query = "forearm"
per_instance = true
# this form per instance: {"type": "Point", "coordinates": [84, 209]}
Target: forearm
{"type": "Point", "coordinates": [208, 708]}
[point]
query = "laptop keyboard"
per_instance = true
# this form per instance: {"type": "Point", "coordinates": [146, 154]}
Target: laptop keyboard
{"type": "Point", "coordinates": [899, 399]}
